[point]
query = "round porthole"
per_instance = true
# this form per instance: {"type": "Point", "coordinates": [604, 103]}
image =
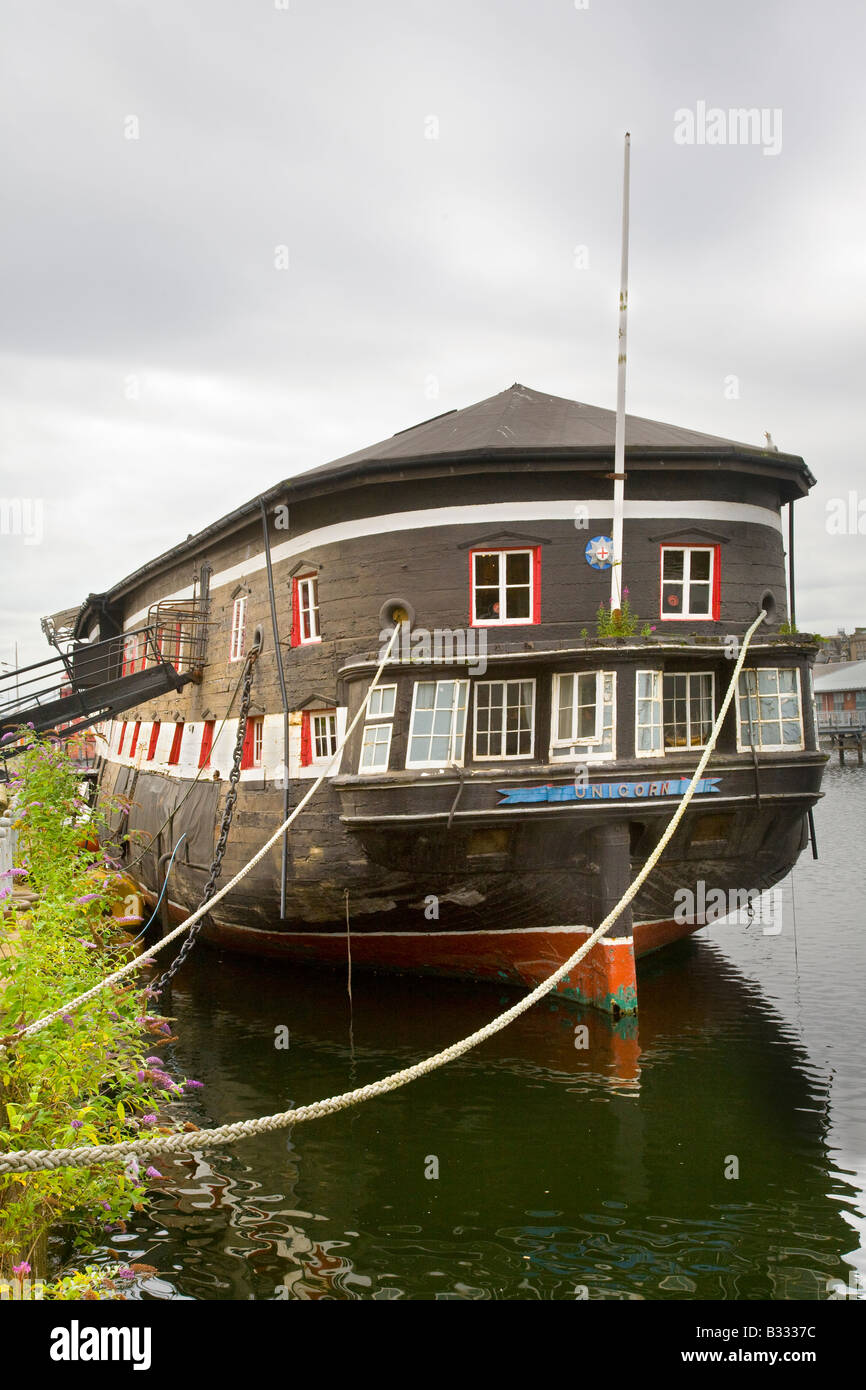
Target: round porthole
{"type": "Point", "coordinates": [396, 610]}
{"type": "Point", "coordinates": [768, 603]}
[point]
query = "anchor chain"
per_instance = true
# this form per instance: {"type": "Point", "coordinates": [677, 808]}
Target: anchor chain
{"type": "Point", "coordinates": [216, 867]}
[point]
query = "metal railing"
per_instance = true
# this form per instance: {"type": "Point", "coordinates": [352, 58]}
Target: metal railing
{"type": "Point", "coordinates": [181, 633]}
{"type": "Point", "coordinates": [842, 719]}
{"type": "Point", "coordinates": [83, 667]}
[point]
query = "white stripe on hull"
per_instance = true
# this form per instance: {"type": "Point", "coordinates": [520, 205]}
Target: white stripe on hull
{"type": "Point", "coordinates": [484, 514]}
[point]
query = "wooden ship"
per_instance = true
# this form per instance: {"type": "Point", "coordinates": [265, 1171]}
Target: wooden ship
{"type": "Point", "coordinates": [515, 768]}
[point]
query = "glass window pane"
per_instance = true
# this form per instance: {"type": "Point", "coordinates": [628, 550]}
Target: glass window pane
{"type": "Point", "coordinates": [768, 681]}
{"type": "Point", "coordinates": [517, 603]}
{"type": "Point", "coordinates": [517, 568]}
{"type": "Point", "coordinates": [699, 599]}
{"type": "Point", "coordinates": [487, 570]}
{"type": "Point", "coordinates": [673, 564]}
{"type": "Point", "coordinates": [700, 564]}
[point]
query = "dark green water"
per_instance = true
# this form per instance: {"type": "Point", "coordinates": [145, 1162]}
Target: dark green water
{"type": "Point", "coordinates": [558, 1169]}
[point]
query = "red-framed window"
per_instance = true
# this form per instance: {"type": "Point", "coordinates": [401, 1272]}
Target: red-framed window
{"type": "Point", "coordinates": [135, 733]}
{"type": "Point", "coordinates": [206, 743]}
{"type": "Point", "coordinates": [305, 610]}
{"type": "Point", "coordinates": [690, 583]}
{"type": "Point", "coordinates": [318, 736]}
{"type": "Point", "coordinates": [154, 737]}
{"type": "Point", "coordinates": [239, 628]}
{"type": "Point", "coordinates": [253, 742]}
{"type": "Point", "coordinates": [505, 587]}
{"type": "Point", "coordinates": [122, 737]}
{"type": "Point", "coordinates": [176, 741]}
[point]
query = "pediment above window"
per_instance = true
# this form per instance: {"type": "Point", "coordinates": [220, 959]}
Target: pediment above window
{"type": "Point", "coordinates": [694, 535]}
{"type": "Point", "coordinates": [303, 566]}
{"type": "Point", "coordinates": [316, 702]}
{"type": "Point", "coordinates": [502, 540]}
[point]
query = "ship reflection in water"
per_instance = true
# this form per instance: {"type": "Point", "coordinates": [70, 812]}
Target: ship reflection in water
{"type": "Point", "coordinates": [563, 1171]}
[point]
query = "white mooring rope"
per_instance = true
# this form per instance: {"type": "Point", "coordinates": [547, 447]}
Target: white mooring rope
{"type": "Point", "coordinates": [35, 1160]}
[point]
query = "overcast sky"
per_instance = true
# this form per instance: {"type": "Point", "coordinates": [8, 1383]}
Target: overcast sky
{"type": "Point", "coordinates": [160, 367]}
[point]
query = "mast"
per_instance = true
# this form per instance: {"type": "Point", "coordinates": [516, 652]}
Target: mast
{"type": "Point", "coordinates": [616, 580]}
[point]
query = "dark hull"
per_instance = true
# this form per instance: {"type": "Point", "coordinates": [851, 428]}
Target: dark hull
{"type": "Point", "coordinates": [498, 893]}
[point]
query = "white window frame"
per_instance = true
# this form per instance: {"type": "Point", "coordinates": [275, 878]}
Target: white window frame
{"type": "Point", "coordinates": [331, 714]}
{"type": "Point", "coordinates": [684, 613]}
{"type": "Point", "coordinates": [239, 628]}
{"type": "Point", "coordinates": [454, 735]}
{"type": "Point", "coordinates": [374, 729]}
{"type": "Point", "coordinates": [743, 745]}
{"type": "Point", "coordinates": [578, 743]}
{"type": "Point", "coordinates": [655, 699]}
{"type": "Point", "coordinates": [528, 621]}
{"type": "Point", "coordinates": [308, 586]}
{"type": "Point", "coordinates": [502, 757]}
{"type": "Point", "coordinates": [689, 675]}
{"type": "Point", "coordinates": [376, 703]}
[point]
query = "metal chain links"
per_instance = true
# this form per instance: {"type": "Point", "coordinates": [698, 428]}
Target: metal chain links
{"type": "Point", "coordinates": [216, 867]}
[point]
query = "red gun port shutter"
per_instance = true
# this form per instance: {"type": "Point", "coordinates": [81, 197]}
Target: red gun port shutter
{"type": "Point", "coordinates": [154, 736]}
{"type": "Point", "coordinates": [306, 739]}
{"type": "Point", "coordinates": [206, 743]}
{"type": "Point", "coordinates": [247, 754]}
{"type": "Point", "coordinates": [174, 755]}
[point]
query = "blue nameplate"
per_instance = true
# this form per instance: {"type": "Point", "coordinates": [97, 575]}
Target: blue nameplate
{"type": "Point", "coordinates": [605, 791]}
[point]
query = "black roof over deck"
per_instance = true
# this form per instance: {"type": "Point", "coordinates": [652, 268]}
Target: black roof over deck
{"type": "Point", "coordinates": [521, 421]}
{"type": "Point", "coordinates": [519, 426]}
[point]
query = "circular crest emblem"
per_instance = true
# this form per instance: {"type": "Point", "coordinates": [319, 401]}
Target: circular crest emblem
{"type": "Point", "coordinates": [599, 552]}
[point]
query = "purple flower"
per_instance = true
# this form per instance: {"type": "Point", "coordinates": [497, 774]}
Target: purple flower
{"type": "Point", "coordinates": [87, 898]}
{"type": "Point", "coordinates": [194, 1085]}
{"type": "Point", "coordinates": [18, 873]}
{"type": "Point", "coordinates": [152, 1173]}
{"type": "Point", "coordinates": [153, 1061]}
{"type": "Point", "coordinates": [148, 1119]}
{"type": "Point", "coordinates": [142, 1075]}
{"type": "Point", "coordinates": [106, 1205]}
{"type": "Point", "coordinates": [165, 1028]}
{"type": "Point", "coordinates": [123, 921]}
{"type": "Point", "coordinates": [126, 1274]}
{"type": "Point", "coordinates": [7, 737]}
{"type": "Point", "coordinates": [76, 1124]}
{"type": "Point", "coordinates": [24, 1267]}
{"type": "Point", "coordinates": [67, 1018]}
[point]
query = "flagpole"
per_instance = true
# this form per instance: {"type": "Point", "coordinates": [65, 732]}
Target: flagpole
{"type": "Point", "coordinates": [616, 581]}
